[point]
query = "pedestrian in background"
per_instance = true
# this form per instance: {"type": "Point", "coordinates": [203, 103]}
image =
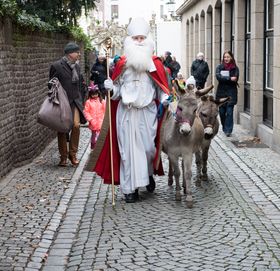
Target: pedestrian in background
{"type": "Point", "coordinates": [99, 72]}
{"type": "Point", "coordinates": [94, 112]}
{"type": "Point", "coordinates": [200, 70]}
{"type": "Point", "coordinates": [175, 67]}
{"type": "Point", "coordinates": [227, 73]}
{"type": "Point", "coordinates": [181, 80]}
{"type": "Point", "coordinates": [68, 72]}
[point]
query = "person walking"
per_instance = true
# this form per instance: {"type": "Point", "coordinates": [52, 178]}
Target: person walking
{"type": "Point", "coordinates": [227, 74]}
{"type": "Point", "coordinates": [139, 80]}
{"type": "Point", "coordinates": [175, 67]}
{"type": "Point", "coordinates": [200, 70]}
{"type": "Point", "coordinates": [94, 112]}
{"type": "Point", "coordinates": [68, 72]}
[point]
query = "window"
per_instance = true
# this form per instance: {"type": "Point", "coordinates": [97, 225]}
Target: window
{"type": "Point", "coordinates": [114, 11]}
{"type": "Point", "coordinates": [268, 67]}
{"type": "Point", "coordinates": [247, 83]}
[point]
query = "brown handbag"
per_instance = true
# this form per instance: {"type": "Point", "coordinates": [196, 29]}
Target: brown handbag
{"type": "Point", "coordinates": [55, 112]}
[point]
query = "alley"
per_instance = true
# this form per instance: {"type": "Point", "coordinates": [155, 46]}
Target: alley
{"type": "Point", "coordinates": [62, 219]}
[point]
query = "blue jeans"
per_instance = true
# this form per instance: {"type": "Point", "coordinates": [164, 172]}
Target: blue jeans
{"type": "Point", "coordinates": [226, 116]}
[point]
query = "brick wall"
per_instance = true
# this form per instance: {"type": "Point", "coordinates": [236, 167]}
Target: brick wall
{"type": "Point", "coordinates": [25, 58]}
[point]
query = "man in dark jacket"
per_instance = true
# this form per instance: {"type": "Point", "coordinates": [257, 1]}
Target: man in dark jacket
{"type": "Point", "coordinates": [68, 72]}
{"type": "Point", "coordinates": [200, 70]}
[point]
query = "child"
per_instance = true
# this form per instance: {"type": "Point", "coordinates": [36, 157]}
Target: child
{"type": "Point", "coordinates": [94, 112]}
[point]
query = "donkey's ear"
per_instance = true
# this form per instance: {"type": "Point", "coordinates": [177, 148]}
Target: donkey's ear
{"type": "Point", "coordinates": [204, 91]}
{"type": "Point", "coordinates": [222, 100]}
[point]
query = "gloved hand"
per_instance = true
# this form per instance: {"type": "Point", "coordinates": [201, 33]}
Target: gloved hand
{"type": "Point", "coordinates": [108, 84]}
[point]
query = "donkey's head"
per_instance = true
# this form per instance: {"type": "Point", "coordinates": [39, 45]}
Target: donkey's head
{"type": "Point", "coordinates": [208, 111]}
{"type": "Point", "coordinates": [186, 112]}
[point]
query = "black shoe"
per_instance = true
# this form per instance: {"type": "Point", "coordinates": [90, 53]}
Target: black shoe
{"type": "Point", "coordinates": [152, 185]}
{"type": "Point", "coordinates": [136, 194]}
{"type": "Point", "coordinates": [130, 198]}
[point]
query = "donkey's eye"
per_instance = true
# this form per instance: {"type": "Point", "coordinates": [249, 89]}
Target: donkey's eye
{"type": "Point", "coordinates": [204, 115]}
{"type": "Point", "coordinates": [179, 108]}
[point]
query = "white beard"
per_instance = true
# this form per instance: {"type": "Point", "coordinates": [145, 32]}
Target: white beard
{"type": "Point", "coordinates": [138, 55]}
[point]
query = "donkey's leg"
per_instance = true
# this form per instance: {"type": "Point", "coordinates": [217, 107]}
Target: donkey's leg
{"type": "Point", "coordinates": [176, 170]}
{"type": "Point", "coordinates": [204, 162]}
{"type": "Point", "coordinates": [170, 173]}
{"type": "Point", "coordinates": [198, 168]}
{"type": "Point", "coordinates": [184, 178]}
{"type": "Point", "coordinates": [188, 176]}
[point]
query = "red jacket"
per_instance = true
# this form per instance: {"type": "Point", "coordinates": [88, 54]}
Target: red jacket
{"type": "Point", "coordinates": [94, 113]}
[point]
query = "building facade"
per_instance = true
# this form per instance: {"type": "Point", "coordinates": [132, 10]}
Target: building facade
{"type": "Point", "coordinates": [251, 30]}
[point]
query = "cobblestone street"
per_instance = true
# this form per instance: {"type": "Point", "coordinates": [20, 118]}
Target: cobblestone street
{"type": "Point", "coordinates": [61, 219]}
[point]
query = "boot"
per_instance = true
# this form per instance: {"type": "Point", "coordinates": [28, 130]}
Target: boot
{"type": "Point", "coordinates": [73, 145]}
{"type": "Point", "coordinates": [62, 148]}
{"type": "Point", "coordinates": [73, 159]}
{"type": "Point", "coordinates": [152, 185]}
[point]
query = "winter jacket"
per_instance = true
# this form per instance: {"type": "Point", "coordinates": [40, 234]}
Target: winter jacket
{"type": "Point", "coordinates": [200, 71]}
{"type": "Point", "coordinates": [226, 87]}
{"type": "Point", "coordinates": [76, 92]}
{"type": "Point", "coordinates": [94, 113]}
{"type": "Point", "coordinates": [99, 73]}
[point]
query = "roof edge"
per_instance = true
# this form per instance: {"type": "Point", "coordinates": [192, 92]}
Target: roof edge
{"type": "Point", "coordinates": [185, 6]}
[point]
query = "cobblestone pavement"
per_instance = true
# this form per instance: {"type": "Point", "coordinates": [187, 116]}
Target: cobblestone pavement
{"type": "Point", "coordinates": [61, 219]}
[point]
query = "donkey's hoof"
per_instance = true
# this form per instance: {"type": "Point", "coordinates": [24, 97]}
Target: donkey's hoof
{"type": "Point", "coordinates": [170, 182]}
{"type": "Point", "coordinates": [204, 178]}
{"type": "Point", "coordinates": [178, 197]}
{"type": "Point", "coordinates": [189, 201]}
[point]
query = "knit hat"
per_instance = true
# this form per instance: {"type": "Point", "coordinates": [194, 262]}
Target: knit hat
{"type": "Point", "coordinates": [71, 47]}
{"type": "Point", "coordinates": [116, 58]}
{"type": "Point", "coordinates": [190, 81]}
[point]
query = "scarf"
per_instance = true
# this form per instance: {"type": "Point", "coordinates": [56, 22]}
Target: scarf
{"type": "Point", "coordinates": [73, 67]}
{"type": "Point", "coordinates": [228, 66]}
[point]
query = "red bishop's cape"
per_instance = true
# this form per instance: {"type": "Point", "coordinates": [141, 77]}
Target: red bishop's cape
{"type": "Point", "coordinates": [103, 162]}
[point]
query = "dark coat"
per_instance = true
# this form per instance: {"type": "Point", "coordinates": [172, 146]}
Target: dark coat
{"type": "Point", "coordinates": [99, 73]}
{"type": "Point", "coordinates": [200, 71]}
{"type": "Point", "coordinates": [226, 87]}
{"type": "Point", "coordinates": [76, 92]}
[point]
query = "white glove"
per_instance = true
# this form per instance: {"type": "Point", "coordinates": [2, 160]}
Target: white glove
{"type": "Point", "coordinates": [108, 84]}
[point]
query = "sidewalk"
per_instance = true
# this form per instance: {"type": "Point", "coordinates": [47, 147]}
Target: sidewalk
{"type": "Point", "coordinates": [55, 218]}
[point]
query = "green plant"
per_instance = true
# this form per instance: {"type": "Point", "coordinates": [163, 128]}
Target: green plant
{"type": "Point", "coordinates": [78, 34]}
{"type": "Point", "coordinates": [8, 8]}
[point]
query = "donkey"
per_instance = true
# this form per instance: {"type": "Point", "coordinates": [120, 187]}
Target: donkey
{"type": "Point", "coordinates": [208, 111]}
{"type": "Point", "coordinates": [182, 136]}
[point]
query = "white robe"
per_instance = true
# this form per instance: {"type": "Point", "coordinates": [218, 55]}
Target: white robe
{"type": "Point", "coordinates": [136, 127]}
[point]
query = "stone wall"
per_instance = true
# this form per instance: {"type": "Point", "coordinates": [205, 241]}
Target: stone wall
{"type": "Point", "coordinates": [25, 58]}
